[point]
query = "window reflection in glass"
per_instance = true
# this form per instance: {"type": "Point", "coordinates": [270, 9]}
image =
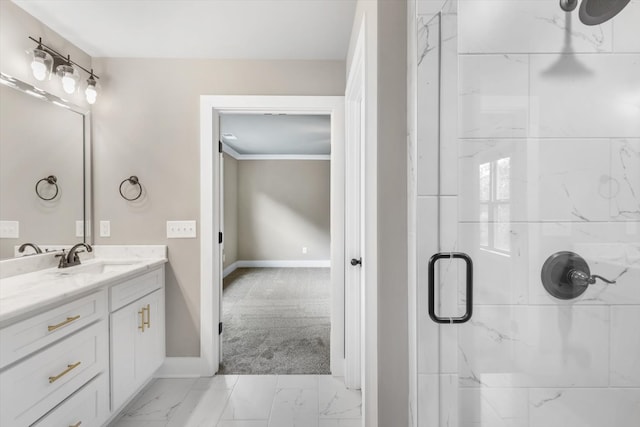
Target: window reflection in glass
{"type": "Point", "coordinates": [495, 210]}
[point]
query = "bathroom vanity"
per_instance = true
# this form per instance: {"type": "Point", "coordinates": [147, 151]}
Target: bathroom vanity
{"type": "Point", "coordinates": [77, 343]}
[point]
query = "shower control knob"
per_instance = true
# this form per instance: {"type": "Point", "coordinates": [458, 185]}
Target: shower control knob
{"type": "Point", "coordinates": [566, 275]}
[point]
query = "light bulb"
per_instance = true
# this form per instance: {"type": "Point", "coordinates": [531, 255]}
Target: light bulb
{"type": "Point", "coordinates": [91, 94]}
{"type": "Point", "coordinates": [68, 77]}
{"type": "Point", "coordinates": [68, 84]}
{"type": "Point", "coordinates": [41, 63]}
{"type": "Point", "coordinates": [39, 69]}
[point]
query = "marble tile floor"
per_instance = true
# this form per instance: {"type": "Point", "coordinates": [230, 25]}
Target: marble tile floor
{"type": "Point", "coordinates": [245, 401]}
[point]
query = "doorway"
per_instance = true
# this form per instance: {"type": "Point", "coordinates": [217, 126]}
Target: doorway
{"type": "Point", "coordinates": [276, 298]}
{"type": "Point", "coordinates": [211, 266]}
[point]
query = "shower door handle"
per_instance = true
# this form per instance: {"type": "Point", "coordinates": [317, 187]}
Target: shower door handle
{"type": "Point", "coordinates": [469, 288]}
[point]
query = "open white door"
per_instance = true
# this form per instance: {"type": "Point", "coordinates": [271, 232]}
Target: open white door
{"type": "Point", "coordinates": [354, 220]}
{"type": "Point", "coordinates": [210, 265]}
{"type": "Point", "coordinates": [221, 238]}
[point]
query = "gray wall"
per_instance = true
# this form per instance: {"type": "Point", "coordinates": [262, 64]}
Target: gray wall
{"type": "Point", "coordinates": [230, 210]}
{"type": "Point", "coordinates": [283, 205]}
{"type": "Point", "coordinates": [393, 356]}
{"type": "Point", "coordinates": [147, 123]}
{"type": "Point", "coordinates": [386, 241]}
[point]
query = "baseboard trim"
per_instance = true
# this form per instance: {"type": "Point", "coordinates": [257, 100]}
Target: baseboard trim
{"type": "Point", "coordinates": [180, 367]}
{"type": "Point", "coordinates": [230, 269]}
{"type": "Point", "coordinates": [284, 263]}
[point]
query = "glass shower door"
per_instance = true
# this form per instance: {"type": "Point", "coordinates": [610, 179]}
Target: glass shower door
{"type": "Point", "coordinates": [531, 122]}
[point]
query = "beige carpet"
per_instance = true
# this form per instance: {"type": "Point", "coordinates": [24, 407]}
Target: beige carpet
{"type": "Point", "coordinates": [276, 321]}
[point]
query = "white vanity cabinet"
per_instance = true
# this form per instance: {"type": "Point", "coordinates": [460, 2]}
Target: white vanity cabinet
{"type": "Point", "coordinates": [137, 335]}
{"type": "Point", "coordinates": [60, 357]}
{"type": "Point", "coordinates": [79, 360]}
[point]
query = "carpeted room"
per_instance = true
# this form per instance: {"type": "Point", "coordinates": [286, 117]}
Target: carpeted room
{"type": "Point", "coordinates": [276, 298]}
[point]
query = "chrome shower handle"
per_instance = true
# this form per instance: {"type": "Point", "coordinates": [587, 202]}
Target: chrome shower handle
{"type": "Point", "coordinates": [581, 278]}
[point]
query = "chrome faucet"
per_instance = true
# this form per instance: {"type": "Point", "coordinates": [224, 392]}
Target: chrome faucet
{"type": "Point", "coordinates": [26, 245]}
{"type": "Point", "coordinates": [70, 259]}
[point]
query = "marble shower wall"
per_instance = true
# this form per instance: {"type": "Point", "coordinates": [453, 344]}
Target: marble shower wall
{"type": "Point", "coordinates": [538, 127]}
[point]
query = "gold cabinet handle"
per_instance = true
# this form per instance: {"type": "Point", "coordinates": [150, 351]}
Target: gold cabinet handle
{"type": "Point", "coordinates": [148, 322]}
{"type": "Point", "coordinates": [63, 373]}
{"type": "Point", "coordinates": [142, 322]}
{"type": "Point", "coordinates": [63, 323]}
{"type": "Point", "coordinates": [76, 424]}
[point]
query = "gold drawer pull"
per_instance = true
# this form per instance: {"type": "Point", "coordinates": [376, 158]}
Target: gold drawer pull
{"type": "Point", "coordinates": [63, 373]}
{"type": "Point", "coordinates": [142, 322]}
{"type": "Point", "coordinates": [63, 323]}
{"type": "Point", "coordinates": [76, 424]}
{"type": "Point", "coordinates": [148, 322]}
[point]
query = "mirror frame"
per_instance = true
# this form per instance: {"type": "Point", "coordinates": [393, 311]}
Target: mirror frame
{"type": "Point", "coordinates": [87, 202]}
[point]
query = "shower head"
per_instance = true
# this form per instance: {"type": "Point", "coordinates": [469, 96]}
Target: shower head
{"type": "Point", "coordinates": [595, 12]}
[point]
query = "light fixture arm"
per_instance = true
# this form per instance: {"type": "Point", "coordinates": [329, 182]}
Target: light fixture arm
{"type": "Point", "coordinates": [59, 58]}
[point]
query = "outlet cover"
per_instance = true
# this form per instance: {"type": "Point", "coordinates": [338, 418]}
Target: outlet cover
{"type": "Point", "coordinates": [181, 229]}
{"type": "Point", "coordinates": [9, 229]}
{"type": "Point", "coordinates": [105, 228]}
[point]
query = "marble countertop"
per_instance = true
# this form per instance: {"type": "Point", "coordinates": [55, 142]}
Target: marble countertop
{"type": "Point", "coordinates": [26, 294]}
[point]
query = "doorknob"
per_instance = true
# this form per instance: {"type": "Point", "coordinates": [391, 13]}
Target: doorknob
{"type": "Point", "coordinates": [355, 262]}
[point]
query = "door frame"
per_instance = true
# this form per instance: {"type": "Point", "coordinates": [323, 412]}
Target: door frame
{"type": "Point", "coordinates": [210, 202]}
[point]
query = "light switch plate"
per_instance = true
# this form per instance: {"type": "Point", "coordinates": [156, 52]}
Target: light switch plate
{"type": "Point", "coordinates": [181, 229]}
{"type": "Point", "coordinates": [105, 228]}
{"type": "Point", "coordinates": [79, 228]}
{"type": "Point", "coordinates": [9, 229]}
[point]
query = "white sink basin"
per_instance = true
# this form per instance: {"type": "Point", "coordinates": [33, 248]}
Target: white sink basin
{"type": "Point", "coordinates": [99, 267]}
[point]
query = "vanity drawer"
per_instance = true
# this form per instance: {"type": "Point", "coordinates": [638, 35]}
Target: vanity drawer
{"type": "Point", "coordinates": [31, 388]}
{"type": "Point", "coordinates": [25, 337]}
{"type": "Point", "coordinates": [88, 407]}
{"type": "Point", "coordinates": [133, 289]}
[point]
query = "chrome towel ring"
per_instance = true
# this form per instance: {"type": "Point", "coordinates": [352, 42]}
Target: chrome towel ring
{"type": "Point", "coordinates": [133, 180]}
{"type": "Point", "coordinates": [51, 180]}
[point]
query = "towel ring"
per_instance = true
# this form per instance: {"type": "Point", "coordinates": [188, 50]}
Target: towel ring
{"type": "Point", "coordinates": [52, 180]}
{"type": "Point", "coordinates": [133, 180]}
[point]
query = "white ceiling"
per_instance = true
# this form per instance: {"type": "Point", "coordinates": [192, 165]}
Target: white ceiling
{"type": "Point", "coordinates": [238, 29]}
{"type": "Point", "coordinates": [277, 134]}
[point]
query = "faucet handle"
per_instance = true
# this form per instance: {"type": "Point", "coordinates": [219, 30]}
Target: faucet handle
{"type": "Point", "coordinates": [581, 278]}
{"type": "Point", "coordinates": [76, 257]}
{"type": "Point", "coordinates": [63, 259]}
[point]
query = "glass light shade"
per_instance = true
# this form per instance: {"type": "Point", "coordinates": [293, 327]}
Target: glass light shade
{"type": "Point", "coordinates": [41, 63]}
{"type": "Point", "coordinates": [69, 77]}
{"type": "Point", "coordinates": [91, 92]}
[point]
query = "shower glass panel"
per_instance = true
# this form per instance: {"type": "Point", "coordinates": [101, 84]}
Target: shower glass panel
{"type": "Point", "coordinates": [528, 156]}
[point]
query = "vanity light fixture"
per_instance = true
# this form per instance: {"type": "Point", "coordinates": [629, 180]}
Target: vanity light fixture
{"type": "Point", "coordinates": [41, 63]}
{"type": "Point", "coordinates": [44, 59]}
{"type": "Point", "coordinates": [91, 92]}
{"type": "Point", "coordinates": [68, 77]}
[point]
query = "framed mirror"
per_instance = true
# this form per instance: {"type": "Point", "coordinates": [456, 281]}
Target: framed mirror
{"type": "Point", "coordinates": [45, 153]}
